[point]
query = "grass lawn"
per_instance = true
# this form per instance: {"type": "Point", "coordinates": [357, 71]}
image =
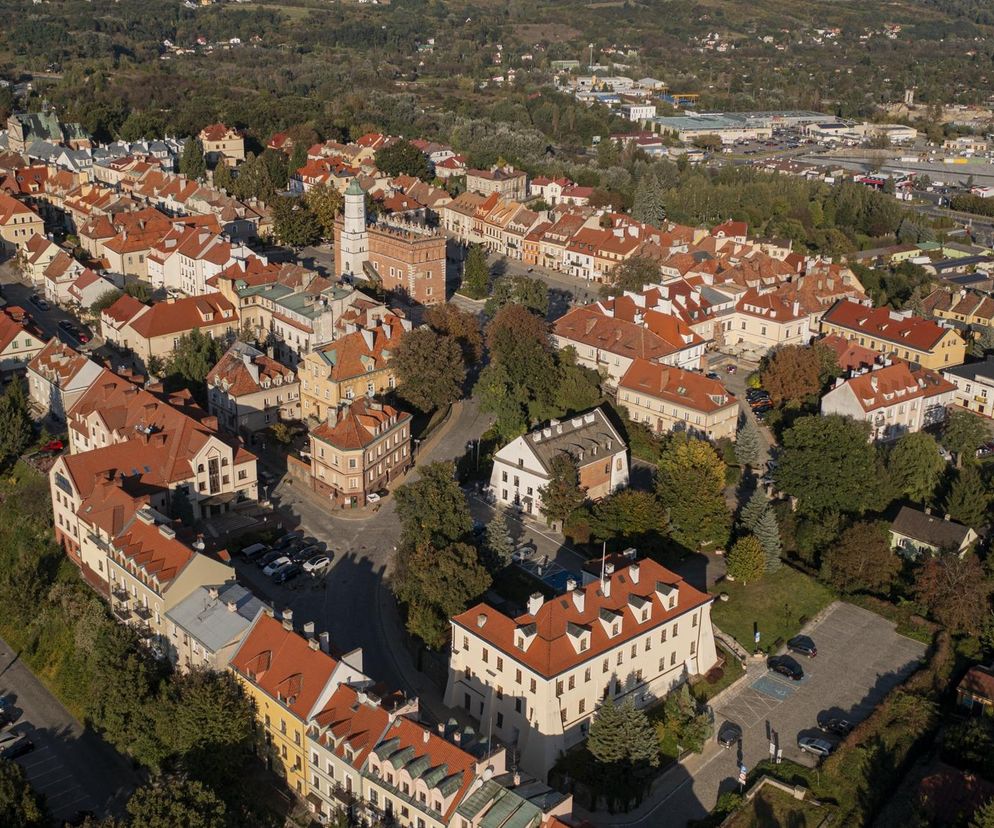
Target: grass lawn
{"type": "Point", "coordinates": [779, 604]}
{"type": "Point", "coordinates": [772, 808]}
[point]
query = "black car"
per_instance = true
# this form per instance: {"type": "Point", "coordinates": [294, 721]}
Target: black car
{"type": "Point", "coordinates": [803, 645]}
{"type": "Point", "coordinates": [288, 573]}
{"type": "Point", "coordinates": [752, 393]}
{"type": "Point", "coordinates": [65, 324]}
{"type": "Point", "coordinates": [6, 712]}
{"type": "Point", "coordinates": [269, 557]}
{"type": "Point", "coordinates": [714, 375]}
{"type": "Point", "coordinates": [19, 748]}
{"type": "Point", "coordinates": [39, 303]}
{"type": "Point", "coordinates": [786, 666]}
{"type": "Point", "coordinates": [287, 539]}
{"type": "Point", "coordinates": [838, 727]}
{"type": "Point", "coordinates": [729, 734]}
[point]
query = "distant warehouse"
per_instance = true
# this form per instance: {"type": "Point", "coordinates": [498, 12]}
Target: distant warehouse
{"type": "Point", "coordinates": [735, 126]}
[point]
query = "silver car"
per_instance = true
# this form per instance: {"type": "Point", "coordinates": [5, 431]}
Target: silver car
{"type": "Point", "coordinates": [815, 746]}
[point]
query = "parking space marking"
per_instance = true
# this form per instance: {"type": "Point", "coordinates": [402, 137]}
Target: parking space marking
{"type": "Point", "coordinates": [771, 687]}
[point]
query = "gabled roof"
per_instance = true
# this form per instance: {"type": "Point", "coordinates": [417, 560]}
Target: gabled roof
{"type": "Point", "coordinates": [893, 384]}
{"type": "Point", "coordinates": [587, 438]}
{"type": "Point", "coordinates": [930, 529]}
{"type": "Point", "coordinates": [11, 330]}
{"type": "Point", "coordinates": [352, 720]}
{"type": "Point", "coordinates": [883, 323]}
{"type": "Point", "coordinates": [359, 424]}
{"type": "Point", "coordinates": [184, 315]}
{"type": "Point", "coordinates": [363, 351]}
{"type": "Point", "coordinates": [59, 363]}
{"type": "Point", "coordinates": [124, 309]}
{"type": "Point", "coordinates": [152, 547]}
{"type": "Point", "coordinates": [656, 338]}
{"type": "Point", "coordinates": [283, 664]}
{"type": "Point", "coordinates": [244, 370]}
{"type": "Point", "coordinates": [687, 388]}
{"type": "Point", "coordinates": [10, 207]}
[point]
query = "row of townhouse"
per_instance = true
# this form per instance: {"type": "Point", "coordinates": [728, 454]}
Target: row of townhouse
{"type": "Point", "coordinates": [346, 749]}
{"type": "Point", "coordinates": [20, 342]}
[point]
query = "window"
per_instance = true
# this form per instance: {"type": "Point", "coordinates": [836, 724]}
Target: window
{"type": "Point", "coordinates": [606, 666]}
{"type": "Point", "coordinates": [572, 682]}
{"type": "Point", "coordinates": [517, 676]}
{"type": "Point", "coordinates": [562, 715]}
{"type": "Point", "coordinates": [693, 647]}
{"type": "Point", "coordinates": [517, 705]}
{"type": "Point", "coordinates": [533, 687]}
{"type": "Point", "coordinates": [503, 477]}
{"type": "Point", "coordinates": [486, 656]}
{"type": "Point", "coordinates": [621, 657]}
{"type": "Point", "coordinates": [672, 658]}
{"type": "Point", "coordinates": [583, 706]}
{"type": "Point", "coordinates": [662, 636]}
{"type": "Point", "coordinates": [635, 648]}
{"type": "Point", "coordinates": [559, 687]}
{"type": "Point", "coordinates": [500, 664]}
{"type": "Point", "coordinates": [675, 629]}
{"type": "Point", "coordinates": [693, 620]}
{"type": "Point", "coordinates": [586, 675]}
{"type": "Point", "coordinates": [648, 644]}
{"type": "Point", "coordinates": [500, 720]}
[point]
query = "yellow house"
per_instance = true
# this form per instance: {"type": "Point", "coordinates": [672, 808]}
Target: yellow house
{"type": "Point", "coordinates": [290, 677]}
{"type": "Point", "coordinates": [900, 333]}
{"type": "Point", "coordinates": [354, 365]}
{"type": "Point", "coordinates": [18, 223]}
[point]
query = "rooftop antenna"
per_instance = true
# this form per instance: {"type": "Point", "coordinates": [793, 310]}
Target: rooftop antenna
{"type": "Point", "coordinates": [603, 562]}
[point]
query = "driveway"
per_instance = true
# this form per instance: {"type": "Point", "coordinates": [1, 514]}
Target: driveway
{"type": "Point", "coordinates": [860, 659]}
{"type": "Point", "coordinates": [71, 765]}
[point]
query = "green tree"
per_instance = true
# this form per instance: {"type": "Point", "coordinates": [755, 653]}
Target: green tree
{"type": "Point", "coordinates": [433, 509]}
{"type": "Point", "coordinates": [462, 326]}
{"type": "Point", "coordinates": [963, 433]}
{"type": "Point", "coordinates": [562, 495]}
{"type": "Point", "coordinates": [191, 162]}
{"type": "Point", "coordinates": [630, 515]}
{"type": "Point", "coordinates": [829, 464]}
{"type": "Point", "coordinates": [518, 290]}
{"type": "Point", "coordinates": [746, 560]}
{"type": "Point", "coordinates": [632, 275]}
{"type": "Point", "coordinates": [686, 719]}
{"type": "Point", "coordinates": [20, 806]}
{"type": "Point", "coordinates": [430, 369]}
{"type": "Point", "coordinates": [476, 273]}
{"type": "Point", "coordinates": [403, 158]}
{"type": "Point", "coordinates": [861, 559]}
{"type": "Point", "coordinates": [607, 740]}
{"type": "Point", "coordinates": [955, 591]}
{"type": "Point", "coordinates": [139, 125]}
{"type": "Point", "coordinates": [496, 543]}
{"type": "Point", "coordinates": [641, 744]}
{"type": "Point", "coordinates": [916, 465]}
{"type": "Point", "coordinates": [437, 584]}
{"type": "Point", "coordinates": [105, 300]}
{"type": "Point", "coordinates": [294, 223]}
{"type": "Point", "coordinates": [983, 817]}
{"type": "Point", "coordinates": [968, 499]}
{"type": "Point", "coordinates": [15, 422]}
{"type": "Point", "coordinates": [140, 290]}
{"type": "Point", "coordinates": [768, 534]}
{"type": "Point", "coordinates": [169, 801]}
{"type": "Point", "coordinates": [649, 205]}
{"type": "Point", "coordinates": [194, 356]}
{"type": "Point", "coordinates": [577, 387]}
{"type": "Point", "coordinates": [755, 507]}
{"type": "Point", "coordinates": [748, 444]}
{"type": "Point", "coordinates": [690, 484]}
{"type": "Point", "coordinates": [224, 179]}
{"type": "Point", "coordinates": [325, 202]}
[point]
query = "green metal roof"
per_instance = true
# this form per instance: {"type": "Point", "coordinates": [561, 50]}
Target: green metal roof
{"type": "Point", "coordinates": [355, 188]}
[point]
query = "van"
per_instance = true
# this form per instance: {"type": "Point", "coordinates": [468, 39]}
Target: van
{"type": "Point", "coordinates": [250, 552]}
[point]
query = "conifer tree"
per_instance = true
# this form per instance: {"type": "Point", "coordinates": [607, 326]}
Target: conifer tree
{"type": "Point", "coordinates": [496, 541]}
{"type": "Point", "coordinates": [607, 740]}
{"type": "Point", "coordinates": [767, 531]}
{"type": "Point", "coordinates": [968, 498]}
{"type": "Point", "coordinates": [746, 560]}
{"type": "Point", "coordinates": [640, 737]}
{"type": "Point", "coordinates": [748, 444]}
{"type": "Point", "coordinates": [754, 509]}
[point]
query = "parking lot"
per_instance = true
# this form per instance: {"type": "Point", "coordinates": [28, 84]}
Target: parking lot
{"type": "Point", "coordinates": [70, 765]}
{"type": "Point", "coordinates": [860, 659]}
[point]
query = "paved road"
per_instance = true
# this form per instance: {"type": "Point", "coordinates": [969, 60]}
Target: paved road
{"type": "Point", "coordinates": [860, 659]}
{"type": "Point", "coordinates": [72, 766]}
{"type": "Point", "coordinates": [352, 600]}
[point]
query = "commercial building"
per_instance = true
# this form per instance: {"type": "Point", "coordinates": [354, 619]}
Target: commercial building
{"type": "Point", "coordinates": [537, 678]}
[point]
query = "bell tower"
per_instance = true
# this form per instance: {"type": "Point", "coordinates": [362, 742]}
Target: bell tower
{"type": "Point", "coordinates": [353, 242]}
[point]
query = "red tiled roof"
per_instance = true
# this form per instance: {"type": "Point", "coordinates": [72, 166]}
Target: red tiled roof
{"type": "Point", "coordinates": [892, 384]}
{"type": "Point", "coordinates": [551, 652]}
{"type": "Point", "coordinates": [244, 372]}
{"type": "Point", "coordinates": [124, 309]}
{"type": "Point", "coordinates": [281, 663]}
{"type": "Point", "coordinates": [978, 682]}
{"type": "Point", "coordinates": [10, 207]}
{"type": "Point", "coordinates": [352, 355]}
{"type": "Point", "coordinates": [686, 388]}
{"type": "Point", "coordinates": [656, 338]}
{"type": "Point", "coordinates": [154, 549]}
{"type": "Point", "coordinates": [851, 355]}
{"type": "Point", "coordinates": [58, 363]}
{"type": "Point", "coordinates": [359, 424]}
{"type": "Point", "coordinates": [218, 132]}
{"type": "Point", "coordinates": [184, 315]}
{"type": "Point", "coordinates": [887, 325]}
{"type": "Point", "coordinates": [11, 330]}
{"type": "Point", "coordinates": [347, 721]}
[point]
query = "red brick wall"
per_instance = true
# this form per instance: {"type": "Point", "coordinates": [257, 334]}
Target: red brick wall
{"type": "Point", "coordinates": [425, 255]}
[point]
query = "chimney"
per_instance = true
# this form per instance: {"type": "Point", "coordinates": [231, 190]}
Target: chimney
{"type": "Point", "coordinates": [633, 573]}
{"type": "Point", "coordinates": [232, 606]}
{"type": "Point", "coordinates": [212, 591]}
{"type": "Point", "coordinates": [309, 629]}
{"type": "Point", "coordinates": [313, 643]}
{"type": "Point", "coordinates": [570, 584]}
{"type": "Point", "coordinates": [579, 596]}
{"type": "Point", "coordinates": [333, 416]}
{"type": "Point", "coordinates": [325, 641]}
{"type": "Point", "coordinates": [535, 601]}
{"type": "Point", "coordinates": [288, 619]}
{"type": "Point", "coordinates": [457, 737]}
{"type": "Point", "coordinates": [426, 735]}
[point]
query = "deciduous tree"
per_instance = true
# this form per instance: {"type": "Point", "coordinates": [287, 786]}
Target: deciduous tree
{"type": "Point", "coordinates": [963, 433]}
{"type": "Point", "coordinates": [916, 465]}
{"type": "Point", "coordinates": [633, 275]}
{"type": "Point", "coordinates": [829, 464]}
{"type": "Point", "coordinates": [325, 203]}
{"type": "Point", "coordinates": [104, 301]}
{"type": "Point", "coordinates": [403, 158]}
{"type": "Point", "coordinates": [194, 356]}
{"type": "Point", "coordinates": [169, 801]}
{"type": "Point", "coordinates": [20, 806]}
{"type": "Point", "coordinates": [794, 372]}
{"type": "Point", "coordinates": [631, 515]}
{"type": "Point", "coordinates": [690, 484]}
{"type": "Point", "coordinates": [462, 326]}
{"type": "Point", "coordinates": [861, 559]}
{"type": "Point", "coordinates": [518, 290]}
{"type": "Point", "coordinates": [433, 509]}
{"type": "Point", "coordinates": [955, 591]}
{"type": "Point", "coordinates": [746, 560]}
{"type": "Point", "coordinates": [437, 584]}
{"type": "Point", "coordinates": [294, 223]}
{"type": "Point", "coordinates": [430, 369]}
{"type": "Point", "coordinates": [562, 495]}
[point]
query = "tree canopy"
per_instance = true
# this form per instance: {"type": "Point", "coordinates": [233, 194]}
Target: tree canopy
{"type": "Point", "coordinates": [20, 806]}
{"type": "Point", "coordinates": [430, 369]}
{"type": "Point", "coordinates": [403, 158]}
{"type": "Point", "coordinates": [794, 372]}
{"type": "Point", "coordinates": [916, 465]}
{"type": "Point", "coordinates": [562, 495]}
{"type": "Point", "coordinates": [433, 509]}
{"type": "Point", "coordinates": [862, 559]}
{"type": "Point", "coordinates": [169, 801]}
{"type": "Point", "coordinates": [690, 484]}
{"type": "Point", "coordinates": [476, 273]}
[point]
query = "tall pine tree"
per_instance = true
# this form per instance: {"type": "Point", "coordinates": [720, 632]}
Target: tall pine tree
{"type": "Point", "coordinates": [968, 498]}
{"type": "Point", "coordinates": [767, 531]}
{"type": "Point", "coordinates": [608, 739]}
{"type": "Point", "coordinates": [498, 547]}
{"type": "Point", "coordinates": [754, 509]}
{"type": "Point", "coordinates": [748, 444]}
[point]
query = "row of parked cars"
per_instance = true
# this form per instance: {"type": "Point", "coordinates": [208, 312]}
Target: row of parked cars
{"type": "Point", "coordinates": [12, 743]}
{"type": "Point", "coordinates": [759, 401]}
{"type": "Point", "coordinates": [289, 557]}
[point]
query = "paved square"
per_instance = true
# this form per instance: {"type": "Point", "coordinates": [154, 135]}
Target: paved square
{"type": "Point", "coordinates": [860, 659]}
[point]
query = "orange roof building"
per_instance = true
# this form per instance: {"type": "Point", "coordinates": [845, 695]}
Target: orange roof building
{"type": "Point", "coordinates": [248, 391]}
{"type": "Point", "coordinates": [636, 633]}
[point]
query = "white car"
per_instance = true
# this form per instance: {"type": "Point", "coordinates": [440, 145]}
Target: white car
{"type": "Point", "coordinates": [316, 564]}
{"type": "Point", "coordinates": [8, 738]}
{"type": "Point", "coordinates": [373, 497]}
{"type": "Point", "coordinates": [275, 566]}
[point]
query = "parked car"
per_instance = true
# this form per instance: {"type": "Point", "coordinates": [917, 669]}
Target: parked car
{"type": "Point", "coordinates": [714, 375]}
{"type": "Point", "coordinates": [287, 573]}
{"type": "Point", "coordinates": [803, 645]}
{"type": "Point", "coordinates": [270, 556]}
{"type": "Point", "coordinates": [373, 497]}
{"type": "Point", "coordinates": [6, 712]}
{"type": "Point", "coordinates": [729, 735]}
{"type": "Point", "coordinates": [14, 744]}
{"type": "Point", "coordinates": [316, 564]}
{"type": "Point", "coordinates": [39, 303]}
{"type": "Point", "coordinates": [253, 551]}
{"type": "Point", "coordinates": [985, 450]}
{"type": "Point", "coordinates": [786, 666]}
{"type": "Point", "coordinates": [815, 746]}
{"type": "Point", "coordinates": [53, 446]}
{"type": "Point", "coordinates": [65, 324]}
{"type": "Point", "coordinates": [840, 727]}
{"type": "Point", "coordinates": [276, 565]}
{"type": "Point", "coordinates": [285, 540]}
{"type": "Point", "coordinates": [731, 369]}
{"type": "Point", "coordinates": [753, 393]}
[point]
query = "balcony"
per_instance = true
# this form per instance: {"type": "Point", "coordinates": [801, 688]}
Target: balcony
{"type": "Point", "coordinates": [122, 612]}
{"type": "Point", "coordinates": [143, 612]}
{"type": "Point", "coordinates": [143, 629]}
{"type": "Point", "coordinates": [120, 593]}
